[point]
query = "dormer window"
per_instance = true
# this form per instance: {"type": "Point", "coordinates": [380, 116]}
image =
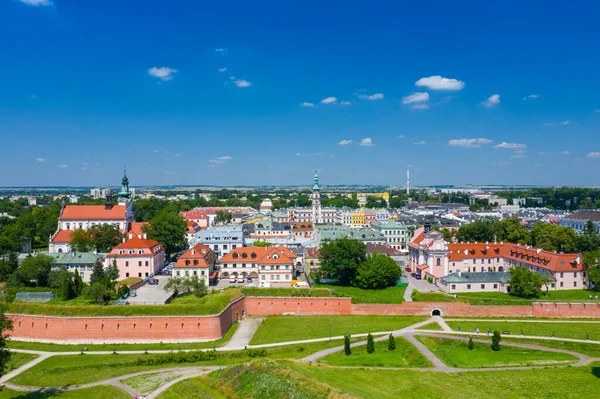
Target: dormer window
{"type": "Point", "coordinates": [253, 255]}
{"type": "Point", "coordinates": [140, 251]}
{"type": "Point", "coordinates": [131, 252]}
{"type": "Point", "coordinates": [244, 255]}
{"type": "Point", "coordinates": [275, 256]}
{"type": "Point", "coordinates": [235, 255]}
{"type": "Point", "coordinates": [121, 252]}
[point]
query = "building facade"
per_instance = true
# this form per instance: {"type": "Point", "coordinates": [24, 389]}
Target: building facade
{"type": "Point", "coordinates": [221, 239]}
{"type": "Point", "coordinates": [198, 261]}
{"type": "Point", "coordinates": [396, 234]}
{"type": "Point", "coordinates": [137, 256]}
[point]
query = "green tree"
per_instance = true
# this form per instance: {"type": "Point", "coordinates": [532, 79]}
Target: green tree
{"type": "Point", "coordinates": [98, 292]}
{"type": "Point", "coordinates": [525, 283]}
{"type": "Point", "coordinates": [79, 284]}
{"type": "Point", "coordinates": [168, 228]}
{"type": "Point", "coordinates": [67, 289]}
{"type": "Point", "coordinates": [199, 286]}
{"type": "Point", "coordinates": [98, 273]}
{"type": "Point", "coordinates": [104, 237]}
{"type": "Point", "coordinates": [496, 341]}
{"type": "Point", "coordinates": [5, 327]}
{"type": "Point", "coordinates": [370, 344]}
{"type": "Point", "coordinates": [512, 230]}
{"type": "Point", "coordinates": [391, 343]}
{"type": "Point", "coordinates": [377, 271]}
{"type": "Point", "coordinates": [34, 271]}
{"type": "Point", "coordinates": [113, 270]}
{"type": "Point", "coordinates": [8, 266]}
{"type": "Point", "coordinates": [223, 217]}
{"type": "Point", "coordinates": [486, 229]}
{"type": "Point", "coordinates": [553, 237]}
{"type": "Point", "coordinates": [347, 350]}
{"type": "Point", "coordinates": [590, 228]}
{"type": "Point", "coordinates": [57, 276]}
{"type": "Point", "coordinates": [81, 241]}
{"type": "Point", "coordinates": [340, 259]}
{"type": "Point", "coordinates": [261, 244]}
{"type": "Point", "coordinates": [471, 345]}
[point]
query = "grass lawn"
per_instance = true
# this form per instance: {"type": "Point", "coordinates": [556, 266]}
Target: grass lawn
{"type": "Point", "coordinates": [147, 383]}
{"type": "Point", "coordinates": [19, 359]}
{"type": "Point", "coordinates": [431, 326]}
{"type": "Point", "coordinates": [47, 347]}
{"type": "Point", "coordinates": [405, 355]}
{"type": "Point", "coordinates": [193, 388]}
{"type": "Point", "coordinates": [418, 296]}
{"type": "Point", "coordinates": [456, 354]}
{"type": "Point", "coordinates": [385, 295]}
{"type": "Point", "coordinates": [129, 280]}
{"type": "Point", "coordinates": [213, 303]}
{"type": "Point", "coordinates": [592, 350]}
{"type": "Point", "coordinates": [296, 328]}
{"type": "Point", "coordinates": [99, 392]}
{"type": "Point", "coordinates": [288, 292]}
{"type": "Point", "coordinates": [573, 382]}
{"type": "Point", "coordinates": [67, 370]}
{"type": "Point", "coordinates": [562, 330]}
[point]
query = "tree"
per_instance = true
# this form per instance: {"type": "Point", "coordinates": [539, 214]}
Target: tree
{"type": "Point", "coordinates": [98, 292]}
{"type": "Point", "coordinates": [104, 237]}
{"type": "Point", "coordinates": [113, 270]}
{"type": "Point", "coordinates": [34, 271]}
{"type": "Point", "coordinates": [377, 271]}
{"type": "Point", "coordinates": [525, 283]}
{"type": "Point", "coordinates": [168, 228]}
{"type": "Point", "coordinates": [553, 237]}
{"type": "Point", "coordinates": [590, 228]}
{"type": "Point", "coordinates": [177, 285]}
{"type": "Point", "coordinates": [79, 284]}
{"type": "Point", "coordinates": [471, 345]}
{"type": "Point", "coordinates": [199, 287]}
{"type": "Point", "coordinates": [370, 344]}
{"type": "Point", "coordinates": [67, 289]}
{"type": "Point", "coordinates": [261, 244]}
{"type": "Point", "coordinates": [340, 259]}
{"type": "Point", "coordinates": [223, 217]}
{"type": "Point", "coordinates": [57, 276]}
{"type": "Point", "coordinates": [5, 327]}
{"type": "Point", "coordinates": [512, 230]}
{"type": "Point", "coordinates": [347, 350]}
{"type": "Point", "coordinates": [81, 241]}
{"type": "Point", "coordinates": [496, 341]}
{"type": "Point", "coordinates": [97, 273]}
{"type": "Point", "coordinates": [391, 343]}
{"type": "Point", "coordinates": [8, 266]}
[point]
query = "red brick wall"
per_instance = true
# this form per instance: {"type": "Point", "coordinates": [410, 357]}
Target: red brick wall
{"type": "Point", "coordinates": [268, 306]}
{"type": "Point", "coordinates": [446, 309]}
{"type": "Point", "coordinates": [566, 310]}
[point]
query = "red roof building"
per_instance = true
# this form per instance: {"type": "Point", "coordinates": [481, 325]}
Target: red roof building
{"type": "Point", "coordinates": [137, 256]}
{"type": "Point", "coordinates": [197, 261]}
{"type": "Point", "coordinates": [274, 264]}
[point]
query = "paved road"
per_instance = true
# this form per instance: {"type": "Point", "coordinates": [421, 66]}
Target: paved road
{"type": "Point", "coordinates": [152, 294]}
{"type": "Point", "coordinates": [246, 329]}
{"type": "Point", "coordinates": [422, 285]}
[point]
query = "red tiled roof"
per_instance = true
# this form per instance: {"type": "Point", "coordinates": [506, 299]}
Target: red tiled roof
{"type": "Point", "coordinates": [311, 253]}
{"type": "Point", "coordinates": [263, 255]}
{"type": "Point", "coordinates": [192, 227]}
{"type": "Point", "coordinates": [479, 250]}
{"type": "Point", "coordinates": [194, 214]}
{"type": "Point", "coordinates": [200, 256]}
{"type": "Point", "coordinates": [63, 236]}
{"type": "Point", "coordinates": [545, 259]}
{"type": "Point", "coordinates": [137, 243]}
{"type": "Point", "coordinates": [136, 227]}
{"type": "Point", "coordinates": [93, 212]}
{"type": "Point", "coordinates": [381, 249]}
{"type": "Point", "coordinates": [422, 267]}
{"type": "Point", "coordinates": [303, 226]}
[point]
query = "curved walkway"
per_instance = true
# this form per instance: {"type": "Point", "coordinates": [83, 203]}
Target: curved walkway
{"type": "Point", "coordinates": [242, 337]}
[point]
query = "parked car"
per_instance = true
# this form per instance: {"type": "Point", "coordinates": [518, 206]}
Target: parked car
{"type": "Point", "coordinates": [301, 284]}
{"type": "Point", "coordinates": [153, 281]}
{"type": "Point", "coordinates": [418, 276]}
{"type": "Point", "coordinates": [240, 280]}
{"type": "Point", "coordinates": [232, 279]}
{"type": "Point", "coordinates": [249, 280]}
{"type": "Point", "coordinates": [250, 285]}
{"type": "Point", "coordinates": [408, 270]}
{"type": "Point", "coordinates": [265, 284]}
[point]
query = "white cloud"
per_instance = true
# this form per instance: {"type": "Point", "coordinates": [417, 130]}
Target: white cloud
{"type": "Point", "coordinates": [420, 106]}
{"type": "Point", "coordinates": [594, 155]}
{"type": "Point", "coordinates": [225, 158]}
{"type": "Point", "coordinates": [492, 100]}
{"type": "Point", "coordinates": [220, 160]}
{"type": "Point", "coordinates": [510, 146]}
{"type": "Point", "coordinates": [242, 83]}
{"type": "Point", "coordinates": [597, 110]}
{"type": "Point", "coordinates": [221, 50]}
{"type": "Point", "coordinates": [345, 142]}
{"type": "Point", "coordinates": [565, 152]}
{"type": "Point", "coordinates": [162, 73]}
{"type": "Point", "coordinates": [439, 83]}
{"type": "Point", "coordinates": [376, 96]}
{"type": "Point", "coordinates": [564, 122]}
{"type": "Point", "coordinates": [37, 2]}
{"type": "Point", "coordinates": [41, 159]}
{"type": "Point", "coordinates": [401, 136]}
{"type": "Point", "coordinates": [420, 143]}
{"type": "Point", "coordinates": [306, 104]}
{"type": "Point", "coordinates": [518, 156]}
{"type": "Point", "coordinates": [222, 69]}
{"type": "Point", "coordinates": [367, 142]}
{"type": "Point", "coordinates": [346, 103]}
{"type": "Point", "coordinates": [177, 155]}
{"type": "Point", "coordinates": [531, 97]}
{"type": "Point", "coordinates": [469, 143]}
{"type": "Point", "coordinates": [210, 165]}
{"type": "Point", "coordinates": [329, 100]}
{"type": "Point", "coordinates": [155, 151]}
{"type": "Point", "coordinates": [63, 166]}
{"type": "Point", "coordinates": [417, 97]}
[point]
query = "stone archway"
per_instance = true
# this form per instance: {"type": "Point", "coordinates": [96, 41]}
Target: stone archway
{"type": "Point", "coordinates": [436, 312]}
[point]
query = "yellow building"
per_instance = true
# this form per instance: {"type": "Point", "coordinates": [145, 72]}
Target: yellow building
{"type": "Point", "coordinates": [362, 197]}
{"type": "Point", "coordinates": [358, 218]}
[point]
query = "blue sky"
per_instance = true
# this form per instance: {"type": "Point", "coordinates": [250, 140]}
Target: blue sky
{"type": "Point", "coordinates": [479, 92]}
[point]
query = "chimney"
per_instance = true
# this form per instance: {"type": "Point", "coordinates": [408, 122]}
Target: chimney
{"type": "Point", "coordinates": [145, 236]}
{"type": "Point", "coordinates": [139, 236]}
{"type": "Point", "coordinates": [193, 252]}
{"type": "Point", "coordinates": [124, 239]}
{"type": "Point", "coordinates": [130, 236]}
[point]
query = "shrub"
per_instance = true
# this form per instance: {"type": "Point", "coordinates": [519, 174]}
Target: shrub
{"type": "Point", "coordinates": [391, 343]}
{"type": "Point", "coordinates": [347, 350]}
{"type": "Point", "coordinates": [370, 344]}
{"type": "Point", "coordinates": [496, 341]}
{"type": "Point", "coordinates": [471, 344]}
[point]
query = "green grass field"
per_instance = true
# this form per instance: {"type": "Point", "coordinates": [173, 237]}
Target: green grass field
{"type": "Point", "coordinates": [418, 296]}
{"type": "Point", "coordinates": [456, 354]}
{"type": "Point", "coordinates": [572, 383]}
{"type": "Point", "coordinates": [562, 330]}
{"type": "Point", "coordinates": [405, 355]}
{"type": "Point", "coordinates": [592, 350]}
{"type": "Point", "coordinates": [385, 295]}
{"type": "Point", "coordinates": [288, 292]}
{"type": "Point", "coordinates": [19, 359]}
{"type": "Point", "coordinates": [297, 328]}
{"type": "Point", "coordinates": [147, 383]}
{"type": "Point", "coordinates": [499, 298]}
{"type": "Point", "coordinates": [46, 347]}
{"type": "Point", "coordinates": [193, 388]}
{"type": "Point", "coordinates": [431, 326]}
{"type": "Point", "coordinates": [180, 306]}
{"type": "Point", "coordinates": [100, 392]}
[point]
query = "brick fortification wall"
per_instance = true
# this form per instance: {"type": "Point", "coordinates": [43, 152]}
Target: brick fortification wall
{"type": "Point", "coordinates": [137, 329]}
{"type": "Point", "coordinates": [132, 329]}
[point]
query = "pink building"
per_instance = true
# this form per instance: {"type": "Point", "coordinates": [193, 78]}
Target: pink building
{"type": "Point", "coordinates": [137, 257]}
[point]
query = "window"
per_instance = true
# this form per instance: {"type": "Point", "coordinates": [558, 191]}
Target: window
{"type": "Point", "coordinates": [178, 273]}
{"type": "Point", "coordinates": [495, 286]}
{"type": "Point", "coordinates": [234, 246]}
{"type": "Point", "coordinates": [489, 261]}
{"type": "Point", "coordinates": [243, 265]}
{"type": "Point", "coordinates": [140, 263]}
{"type": "Point", "coordinates": [483, 286]}
{"type": "Point", "coordinates": [474, 260]}
{"type": "Point", "coordinates": [263, 277]}
{"type": "Point", "coordinates": [126, 263]}
{"type": "Point", "coordinates": [561, 284]}
{"type": "Point", "coordinates": [574, 283]}
{"type": "Point", "coordinates": [552, 285]}
{"type": "Point", "coordinates": [562, 275]}
{"type": "Point", "coordinates": [453, 286]}
{"type": "Point", "coordinates": [139, 274]}
{"type": "Point", "coordinates": [146, 263]}
{"type": "Point", "coordinates": [195, 273]}
{"type": "Point", "coordinates": [438, 262]}
{"type": "Point", "coordinates": [468, 286]}
{"type": "Point", "coordinates": [126, 274]}
{"type": "Point", "coordinates": [225, 246]}
{"type": "Point", "coordinates": [81, 274]}
{"type": "Point", "coordinates": [215, 247]}
{"type": "Point", "coordinates": [146, 274]}
{"type": "Point", "coordinates": [575, 274]}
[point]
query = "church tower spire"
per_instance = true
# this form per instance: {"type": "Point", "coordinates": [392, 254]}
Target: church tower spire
{"type": "Point", "coordinates": [316, 201]}
{"type": "Point", "coordinates": [124, 193]}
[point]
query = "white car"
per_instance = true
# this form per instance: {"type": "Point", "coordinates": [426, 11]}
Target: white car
{"type": "Point", "coordinates": [301, 284]}
{"type": "Point", "coordinates": [232, 279]}
{"type": "Point", "coordinates": [265, 284]}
